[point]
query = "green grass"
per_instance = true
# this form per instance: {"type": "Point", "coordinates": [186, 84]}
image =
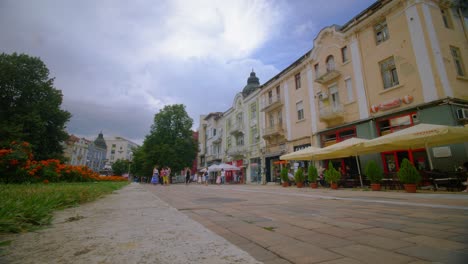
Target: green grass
{"type": "Point", "coordinates": [27, 207]}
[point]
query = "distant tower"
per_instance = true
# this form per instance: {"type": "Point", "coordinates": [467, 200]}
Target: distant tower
{"type": "Point", "coordinates": [252, 84]}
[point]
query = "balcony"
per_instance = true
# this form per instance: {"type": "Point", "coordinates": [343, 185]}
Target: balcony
{"type": "Point", "coordinates": [218, 138]}
{"type": "Point", "coordinates": [270, 103]}
{"type": "Point", "coordinates": [237, 128]}
{"type": "Point", "coordinates": [236, 150]}
{"type": "Point", "coordinates": [328, 113]}
{"type": "Point", "coordinates": [213, 157]}
{"type": "Point", "coordinates": [276, 130]}
{"type": "Point", "coordinates": [327, 77]}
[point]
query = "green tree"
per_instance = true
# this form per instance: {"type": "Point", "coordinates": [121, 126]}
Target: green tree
{"type": "Point", "coordinates": [120, 167]}
{"type": "Point", "coordinates": [30, 106]}
{"type": "Point", "coordinates": [170, 142]}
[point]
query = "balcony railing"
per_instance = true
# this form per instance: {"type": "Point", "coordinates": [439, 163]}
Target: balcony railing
{"type": "Point", "coordinates": [237, 128]}
{"type": "Point", "coordinates": [236, 150]}
{"type": "Point", "coordinates": [328, 76]}
{"type": "Point", "coordinates": [277, 129]}
{"type": "Point", "coordinates": [270, 103]}
{"type": "Point", "coordinates": [218, 138]}
{"type": "Point", "coordinates": [331, 112]}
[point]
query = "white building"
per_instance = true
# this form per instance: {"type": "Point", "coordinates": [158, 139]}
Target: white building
{"type": "Point", "coordinates": [118, 148]}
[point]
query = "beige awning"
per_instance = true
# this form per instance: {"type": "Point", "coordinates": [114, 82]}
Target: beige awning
{"type": "Point", "coordinates": [303, 154]}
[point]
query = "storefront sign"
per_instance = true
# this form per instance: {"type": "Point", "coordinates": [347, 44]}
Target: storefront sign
{"type": "Point", "coordinates": [442, 152]}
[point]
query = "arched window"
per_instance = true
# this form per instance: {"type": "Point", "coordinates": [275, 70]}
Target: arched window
{"type": "Point", "coordinates": [330, 63]}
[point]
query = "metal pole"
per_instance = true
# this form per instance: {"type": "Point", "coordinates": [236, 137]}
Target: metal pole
{"type": "Point", "coordinates": [359, 170]}
{"type": "Point", "coordinates": [429, 156]}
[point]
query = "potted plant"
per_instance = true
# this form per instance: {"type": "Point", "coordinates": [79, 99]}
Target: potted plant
{"type": "Point", "coordinates": [332, 176]}
{"type": "Point", "coordinates": [374, 174]}
{"type": "Point", "coordinates": [299, 178]}
{"type": "Point", "coordinates": [409, 176]}
{"type": "Point", "coordinates": [312, 175]}
{"type": "Point", "coordinates": [284, 177]}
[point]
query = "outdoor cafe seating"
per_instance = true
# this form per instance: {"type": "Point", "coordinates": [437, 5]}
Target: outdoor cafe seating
{"type": "Point", "coordinates": [451, 181]}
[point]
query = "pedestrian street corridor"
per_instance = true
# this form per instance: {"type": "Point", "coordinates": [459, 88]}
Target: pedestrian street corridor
{"type": "Point", "coordinates": [290, 225]}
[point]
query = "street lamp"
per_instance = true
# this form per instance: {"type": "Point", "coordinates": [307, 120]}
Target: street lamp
{"type": "Point", "coordinates": [129, 164]}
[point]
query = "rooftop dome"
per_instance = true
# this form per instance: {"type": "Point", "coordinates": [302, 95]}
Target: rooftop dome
{"type": "Point", "coordinates": [100, 142]}
{"type": "Point", "coordinates": [252, 84]}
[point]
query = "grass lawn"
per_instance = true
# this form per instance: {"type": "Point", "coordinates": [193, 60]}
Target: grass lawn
{"type": "Point", "coordinates": [25, 207]}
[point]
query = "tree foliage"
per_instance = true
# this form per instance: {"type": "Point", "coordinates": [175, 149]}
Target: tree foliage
{"type": "Point", "coordinates": [170, 142]}
{"type": "Point", "coordinates": [120, 167]}
{"type": "Point", "coordinates": [30, 106]}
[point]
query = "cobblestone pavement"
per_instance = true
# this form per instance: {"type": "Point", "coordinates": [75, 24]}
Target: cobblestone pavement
{"type": "Point", "coordinates": [291, 225]}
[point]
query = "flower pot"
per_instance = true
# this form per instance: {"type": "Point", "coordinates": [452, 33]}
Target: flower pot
{"type": "Point", "coordinates": [375, 186]}
{"type": "Point", "coordinates": [300, 185]}
{"type": "Point", "coordinates": [410, 188]}
{"type": "Point", "coordinates": [313, 185]}
{"type": "Point", "coordinates": [334, 186]}
{"type": "Point", "coordinates": [285, 184]}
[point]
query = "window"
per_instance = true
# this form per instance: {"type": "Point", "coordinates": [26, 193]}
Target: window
{"type": "Point", "coordinates": [270, 97]}
{"type": "Point", "coordinates": [240, 140]}
{"type": "Point", "coordinates": [272, 120]}
{"type": "Point", "coordinates": [349, 90]}
{"type": "Point", "coordinates": [330, 63]}
{"type": "Point", "coordinates": [228, 140]}
{"type": "Point", "coordinates": [214, 132]}
{"type": "Point", "coordinates": [280, 118]}
{"type": "Point", "coordinates": [393, 124]}
{"type": "Point", "coordinates": [446, 17]}
{"type": "Point", "coordinates": [316, 69]}
{"type": "Point", "coordinates": [344, 54]}
{"type": "Point", "coordinates": [253, 111]}
{"type": "Point", "coordinates": [389, 73]}
{"type": "Point", "coordinates": [381, 32]}
{"type": "Point", "coordinates": [300, 110]}
{"type": "Point", "coordinates": [335, 99]}
{"type": "Point", "coordinates": [255, 136]}
{"type": "Point", "coordinates": [297, 78]}
{"type": "Point", "coordinates": [278, 91]}
{"type": "Point", "coordinates": [457, 59]}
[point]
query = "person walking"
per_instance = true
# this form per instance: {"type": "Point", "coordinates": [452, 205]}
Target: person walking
{"type": "Point", "coordinates": [166, 176]}
{"type": "Point", "coordinates": [187, 175]}
{"type": "Point", "coordinates": [223, 176]}
{"type": "Point", "coordinates": [155, 178]}
{"type": "Point", "coordinates": [218, 178]}
{"type": "Point", "coordinates": [206, 176]}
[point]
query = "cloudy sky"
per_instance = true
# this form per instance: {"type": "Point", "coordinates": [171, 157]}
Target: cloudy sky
{"type": "Point", "coordinates": [119, 62]}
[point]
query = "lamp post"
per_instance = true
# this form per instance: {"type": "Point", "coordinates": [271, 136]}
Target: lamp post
{"type": "Point", "coordinates": [129, 164]}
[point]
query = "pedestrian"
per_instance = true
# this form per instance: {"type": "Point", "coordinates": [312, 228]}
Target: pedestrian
{"type": "Point", "coordinates": [218, 177]}
{"type": "Point", "coordinates": [223, 176]}
{"type": "Point", "coordinates": [187, 175]}
{"type": "Point", "coordinates": [166, 176]}
{"type": "Point", "coordinates": [155, 178]}
{"type": "Point", "coordinates": [206, 176]}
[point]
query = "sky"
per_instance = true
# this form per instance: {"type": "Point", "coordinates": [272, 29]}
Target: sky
{"type": "Point", "coordinates": [118, 63]}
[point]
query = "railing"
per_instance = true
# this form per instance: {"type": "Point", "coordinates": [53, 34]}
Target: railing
{"type": "Point", "coordinates": [273, 130]}
{"type": "Point", "coordinates": [236, 150]}
{"type": "Point", "coordinates": [270, 102]}
{"type": "Point", "coordinates": [331, 112]}
{"type": "Point", "coordinates": [237, 127]}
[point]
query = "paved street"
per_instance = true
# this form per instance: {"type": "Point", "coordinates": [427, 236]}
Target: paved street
{"type": "Point", "coordinates": [289, 225]}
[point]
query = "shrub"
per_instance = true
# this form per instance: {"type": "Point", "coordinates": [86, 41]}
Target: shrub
{"type": "Point", "coordinates": [284, 175]}
{"type": "Point", "coordinates": [331, 174]}
{"type": "Point", "coordinates": [312, 173]}
{"type": "Point", "coordinates": [408, 173]}
{"type": "Point", "coordinates": [373, 172]}
{"type": "Point", "coordinates": [299, 176]}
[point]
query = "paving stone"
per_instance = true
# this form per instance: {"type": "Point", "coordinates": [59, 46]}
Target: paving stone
{"type": "Point", "coordinates": [311, 224]}
{"type": "Point", "coordinates": [428, 232]}
{"type": "Point", "coordinates": [387, 233]}
{"type": "Point", "coordinates": [342, 261]}
{"type": "Point", "coordinates": [324, 240]}
{"type": "Point", "coordinates": [435, 242]}
{"type": "Point", "coordinates": [371, 255]}
{"type": "Point", "coordinates": [436, 254]}
{"type": "Point", "coordinates": [340, 232]}
{"type": "Point", "coordinates": [276, 261]}
{"type": "Point", "coordinates": [303, 253]}
{"type": "Point", "coordinates": [350, 225]}
{"type": "Point", "coordinates": [380, 242]}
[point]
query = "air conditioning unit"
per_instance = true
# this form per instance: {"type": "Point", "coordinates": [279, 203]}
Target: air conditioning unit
{"type": "Point", "coordinates": [462, 113]}
{"type": "Point", "coordinates": [322, 96]}
{"type": "Point", "coordinates": [415, 119]}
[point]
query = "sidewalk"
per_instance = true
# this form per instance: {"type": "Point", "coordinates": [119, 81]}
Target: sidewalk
{"type": "Point", "coordinates": [131, 226]}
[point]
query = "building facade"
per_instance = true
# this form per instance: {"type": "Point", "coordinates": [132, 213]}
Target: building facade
{"type": "Point", "coordinates": [394, 65]}
{"type": "Point", "coordinates": [118, 148]}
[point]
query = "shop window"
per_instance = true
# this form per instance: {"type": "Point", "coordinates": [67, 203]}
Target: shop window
{"type": "Point", "coordinates": [394, 124]}
{"type": "Point", "coordinates": [338, 136]}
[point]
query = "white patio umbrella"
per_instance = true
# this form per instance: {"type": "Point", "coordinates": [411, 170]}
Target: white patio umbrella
{"type": "Point", "coordinates": [227, 167]}
{"type": "Point", "coordinates": [303, 154]}
{"type": "Point", "coordinates": [349, 147]}
{"type": "Point", "coordinates": [418, 136]}
{"type": "Point", "coordinates": [213, 167]}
